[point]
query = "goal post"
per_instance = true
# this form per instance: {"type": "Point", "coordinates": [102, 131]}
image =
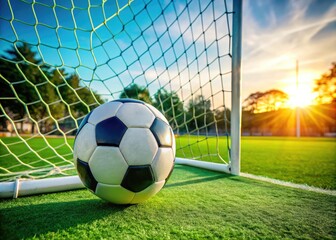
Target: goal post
{"type": "Point", "coordinates": [236, 81]}
{"type": "Point", "coordinates": [59, 61]}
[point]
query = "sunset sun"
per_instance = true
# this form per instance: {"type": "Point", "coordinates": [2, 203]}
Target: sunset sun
{"type": "Point", "coordinates": [301, 99]}
{"type": "Point", "coordinates": [303, 95]}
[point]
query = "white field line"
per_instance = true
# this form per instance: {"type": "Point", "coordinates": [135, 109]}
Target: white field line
{"type": "Point", "coordinates": [289, 184]}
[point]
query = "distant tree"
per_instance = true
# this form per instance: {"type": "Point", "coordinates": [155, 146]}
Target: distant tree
{"type": "Point", "coordinates": [270, 100]}
{"type": "Point", "coordinates": [44, 92]}
{"type": "Point", "coordinates": [171, 106]}
{"type": "Point", "coordinates": [252, 102]}
{"type": "Point", "coordinates": [80, 97]}
{"type": "Point", "coordinates": [136, 92]}
{"type": "Point", "coordinates": [275, 99]}
{"type": "Point", "coordinates": [73, 98]}
{"type": "Point", "coordinates": [222, 117]}
{"type": "Point", "coordinates": [6, 91]}
{"type": "Point", "coordinates": [199, 114]}
{"type": "Point", "coordinates": [325, 86]}
{"type": "Point", "coordinates": [14, 68]}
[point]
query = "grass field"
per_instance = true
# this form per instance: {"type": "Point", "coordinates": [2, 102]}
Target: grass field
{"type": "Point", "coordinates": [195, 204]}
{"type": "Point", "coordinates": [309, 161]}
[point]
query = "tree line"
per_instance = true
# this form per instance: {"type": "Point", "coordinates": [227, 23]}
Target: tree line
{"type": "Point", "coordinates": [53, 98]}
{"type": "Point", "coordinates": [31, 89]}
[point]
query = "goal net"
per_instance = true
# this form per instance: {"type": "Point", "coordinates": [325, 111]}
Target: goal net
{"type": "Point", "coordinates": [61, 59]}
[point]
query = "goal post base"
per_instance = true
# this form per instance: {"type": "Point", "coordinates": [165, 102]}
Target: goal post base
{"type": "Point", "coordinates": [22, 187]}
{"type": "Point", "coordinates": [217, 167]}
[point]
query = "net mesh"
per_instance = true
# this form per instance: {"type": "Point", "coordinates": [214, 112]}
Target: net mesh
{"type": "Point", "coordinates": [61, 59]}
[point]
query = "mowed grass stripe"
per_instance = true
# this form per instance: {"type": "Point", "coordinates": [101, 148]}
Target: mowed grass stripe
{"type": "Point", "coordinates": [195, 204]}
{"type": "Point", "coordinates": [310, 161]}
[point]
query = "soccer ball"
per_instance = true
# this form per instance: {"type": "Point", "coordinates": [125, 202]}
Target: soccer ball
{"type": "Point", "coordinates": [124, 151]}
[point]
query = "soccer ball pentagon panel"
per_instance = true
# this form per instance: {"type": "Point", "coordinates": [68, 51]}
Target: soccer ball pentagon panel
{"type": "Point", "coordinates": [124, 151]}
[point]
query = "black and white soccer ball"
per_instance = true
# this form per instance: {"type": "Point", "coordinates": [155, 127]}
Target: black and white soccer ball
{"type": "Point", "coordinates": [124, 151]}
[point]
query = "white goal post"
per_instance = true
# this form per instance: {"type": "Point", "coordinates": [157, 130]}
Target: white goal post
{"type": "Point", "coordinates": [58, 62]}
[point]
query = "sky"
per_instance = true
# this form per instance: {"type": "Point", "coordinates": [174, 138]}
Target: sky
{"type": "Point", "coordinates": [277, 33]}
{"type": "Point", "coordinates": [157, 43]}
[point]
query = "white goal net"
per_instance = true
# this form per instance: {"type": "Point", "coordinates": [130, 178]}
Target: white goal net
{"type": "Point", "coordinates": [61, 59]}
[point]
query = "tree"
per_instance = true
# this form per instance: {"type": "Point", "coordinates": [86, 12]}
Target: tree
{"type": "Point", "coordinates": [270, 100]}
{"type": "Point", "coordinates": [79, 97]}
{"type": "Point", "coordinates": [325, 86]}
{"type": "Point", "coordinates": [199, 114]}
{"type": "Point", "coordinates": [46, 93]}
{"type": "Point", "coordinates": [136, 92]}
{"type": "Point", "coordinates": [171, 106]}
{"type": "Point", "coordinates": [274, 99]}
{"type": "Point", "coordinates": [222, 117]}
{"type": "Point", "coordinates": [15, 71]}
{"type": "Point", "coordinates": [251, 103]}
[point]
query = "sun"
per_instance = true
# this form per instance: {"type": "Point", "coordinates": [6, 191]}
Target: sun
{"type": "Point", "coordinates": [300, 99]}
{"type": "Point", "coordinates": [303, 95]}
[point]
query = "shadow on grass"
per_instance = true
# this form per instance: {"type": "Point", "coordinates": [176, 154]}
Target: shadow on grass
{"type": "Point", "coordinates": [196, 175]}
{"type": "Point", "coordinates": [196, 181]}
{"type": "Point", "coordinates": [33, 220]}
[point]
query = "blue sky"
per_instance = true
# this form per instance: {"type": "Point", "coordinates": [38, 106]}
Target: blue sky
{"type": "Point", "coordinates": [144, 43]}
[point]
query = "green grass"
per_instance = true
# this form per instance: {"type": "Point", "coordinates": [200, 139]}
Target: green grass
{"type": "Point", "coordinates": [195, 204]}
{"type": "Point", "coordinates": [309, 161]}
